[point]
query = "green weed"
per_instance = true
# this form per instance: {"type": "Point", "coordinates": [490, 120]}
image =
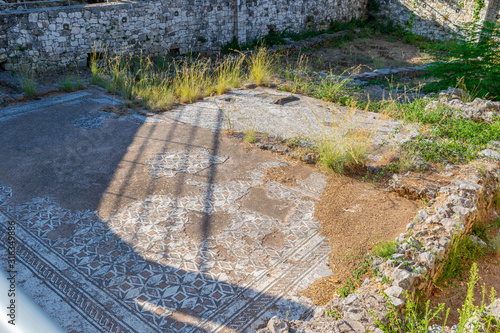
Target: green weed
{"type": "Point", "coordinates": [414, 319]}
{"type": "Point", "coordinates": [417, 318]}
{"type": "Point", "coordinates": [462, 253]}
{"type": "Point", "coordinates": [473, 59]}
{"type": "Point", "coordinates": [363, 266]}
{"type": "Point", "coordinates": [495, 243]}
{"type": "Point", "coordinates": [27, 81]}
{"type": "Point", "coordinates": [469, 310]}
{"type": "Point", "coordinates": [334, 314]}
{"type": "Point", "coordinates": [250, 136]}
{"type": "Point", "coordinates": [71, 83]}
{"type": "Point", "coordinates": [384, 249]}
{"type": "Point", "coordinates": [446, 139]}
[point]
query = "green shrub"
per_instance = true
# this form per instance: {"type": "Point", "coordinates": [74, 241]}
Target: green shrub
{"type": "Point", "coordinates": [474, 58]}
{"type": "Point", "coordinates": [418, 319]}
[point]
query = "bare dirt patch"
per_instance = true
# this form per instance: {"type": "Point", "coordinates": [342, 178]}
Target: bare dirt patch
{"type": "Point", "coordinates": [370, 53]}
{"type": "Point", "coordinates": [201, 225]}
{"type": "Point", "coordinates": [275, 240]}
{"type": "Point", "coordinates": [259, 201]}
{"type": "Point", "coordinates": [354, 216]}
{"type": "Point", "coordinates": [287, 175]}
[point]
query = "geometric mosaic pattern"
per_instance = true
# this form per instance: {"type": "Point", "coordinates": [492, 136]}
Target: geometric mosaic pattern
{"type": "Point", "coordinates": [209, 261]}
{"type": "Point", "coordinates": [96, 119]}
{"type": "Point", "coordinates": [168, 164]}
{"type": "Point", "coordinates": [140, 271]}
{"type": "Point", "coordinates": [92, 121]}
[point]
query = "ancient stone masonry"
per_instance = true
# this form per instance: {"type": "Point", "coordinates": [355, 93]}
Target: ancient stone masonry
{"type": "Point", "coordinates": [60, 36]}
{"type": "Point", "coordinates": [435, 19]}
{"type": "Point", "coordinates": [418, 259]}
{"type": "Point", "coordinates": [423, 249]}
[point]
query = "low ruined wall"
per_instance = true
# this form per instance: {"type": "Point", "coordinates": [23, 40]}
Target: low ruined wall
{"type": "Point", "coordinates": [435, 19]}
{"type": "Point", "coordinates": [420, 256]}
{"type": "Point", "coordinates": [64, 35]}
{"type": "Point", "coordinates": [422, 251]}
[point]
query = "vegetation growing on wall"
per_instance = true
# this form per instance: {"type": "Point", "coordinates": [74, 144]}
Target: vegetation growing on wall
{"type": "Point", "coordinates": [474, 59]}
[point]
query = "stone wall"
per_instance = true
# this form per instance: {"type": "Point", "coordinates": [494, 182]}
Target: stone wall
{"type": "Point", "coordinates": [64, 35]}
{"type": "Point", "coordinates": [435, 19]}
{"type": "Point", "coordinates": [420, 255]}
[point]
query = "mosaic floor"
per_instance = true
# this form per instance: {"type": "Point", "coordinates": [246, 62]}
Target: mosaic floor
{"type": "Point", "coordinates": [225, 255]}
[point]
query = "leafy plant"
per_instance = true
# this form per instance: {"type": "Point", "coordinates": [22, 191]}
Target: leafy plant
{"type": "Point", "coordinates": [462, 253]}
{"type": "Point", "coordinates": [475, 61]}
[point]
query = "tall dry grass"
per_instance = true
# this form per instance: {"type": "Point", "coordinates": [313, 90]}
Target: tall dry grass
{"type": "Point", "coordinates": [261, 66]}
{"type": "Point", "coordinates": [344, 144]}
{"type": "Point", "coordinates": [154, 87]}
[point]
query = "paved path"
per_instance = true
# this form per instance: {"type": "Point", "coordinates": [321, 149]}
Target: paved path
{"type": "Point", "coordinates": [140, 224]}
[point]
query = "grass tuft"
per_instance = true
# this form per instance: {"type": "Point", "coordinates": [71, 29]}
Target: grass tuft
{"type": "Point", "coordinates": [70, 83]}
{"type": "Point", "coordinates": [463, 252]}
{"type": "Point", "coordinates": [27, 82]}
{"type": "Point", "coordinates": [260, 66]}
{"type": "Point", "coordinates": [344, 147]}
{"type": "Point", "coordinates": [250, 136]}
{"type": "Point", "coordinates": [157, 85]}
{"type": "Point", "coordinates": [385, 249]}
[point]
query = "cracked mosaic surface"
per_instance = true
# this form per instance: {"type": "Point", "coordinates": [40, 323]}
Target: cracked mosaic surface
{"type": "Point", "coordinates": [203, 261]}
{"type": "Point", "coordinates": [168, 164]}
{"type": "Point", "coordinates": [256, 109]}
{"type": "Point", "coordinates": [146, 268]}
{"type": "Point", "coordinates": [96, 119]}
{"type": "Point", "coordinates": [92, 121]}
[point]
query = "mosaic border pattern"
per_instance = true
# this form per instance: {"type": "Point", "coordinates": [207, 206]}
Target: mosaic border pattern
{"type": "Point", "coordinates": [135, 270]}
